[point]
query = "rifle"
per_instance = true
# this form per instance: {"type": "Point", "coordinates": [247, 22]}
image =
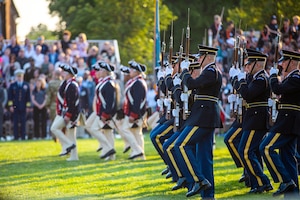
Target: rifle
{"type": "Point", "coordinates": [168, 115]}
{"type": "Point", "coordinates": [161, 94]}
{"type": "Point", "coordinates": [185, 88]}
{"type": "Point", "coordinates": [177, 106]}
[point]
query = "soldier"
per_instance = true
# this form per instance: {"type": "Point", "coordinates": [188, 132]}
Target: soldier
{"type": "Point", "coordinates": [107, 100]}
{"type": "Point", "coordinates": [67, 112]}
{"type": "Point", "coordinates": [255, 91]}
{"type": "Point", "coordinates": [134, 109]}
{"type": "Point", "coordinates": [19, 102]}
{"type": "Point", "coordinates": [284, 133]}
{"type": "Point", "coordinates": [51, 92]}
{"type": "Point", "coordinates": [198, 130]}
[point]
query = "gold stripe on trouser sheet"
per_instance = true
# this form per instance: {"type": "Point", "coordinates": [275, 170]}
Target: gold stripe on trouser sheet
{"type": "Point", "coordinates": [96, 132]}
{"type": "Point", "coordinates": [267, 153]}
{"type": "Point", "coordinates": [185, 157]}
{"type": "Point", "coordinates": [71, 134]}
{"type": "Point", "coordinates": [160, 135]}
{"type": "Point", "coordinates": [235, 151]}
{"type": "Point", "coordinates": [247, 158]}
{"type": "Point", "coordinates": [171, 146]}
{"type": "Point", "coordinates": [119, 125]}
{"type": "Point", "coordinates": [130, 136]}
{"type": "Point", "coordinates": [56, 128]}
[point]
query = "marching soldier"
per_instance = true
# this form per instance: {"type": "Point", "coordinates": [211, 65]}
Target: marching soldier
{"type": "Point", "coordinates": [19, 102]}
{"type": "Point", "coordinates": [284, 133]}
{"type": "Point", "coordinates": [107, 100]}
{"type": "Point", "coordinates": [198, 130]}
{"type": "Point", "coordinates": [134, 109]}
{"type": "Point", "coordinates": [255, 91]}
{"type": "Point", "coordinates": [67, 112]}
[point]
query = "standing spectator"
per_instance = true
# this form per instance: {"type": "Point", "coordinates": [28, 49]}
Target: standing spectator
{"type": "Point", "coordinates": [274, 27]}
{"type": "Point", "coordinates": [21, 59]}
{"type": "Point", "coordinates": [14, 46]}
{"type": "Point", "coordinates": [61, 61]}
{"type": "Point", "coordinates": [90, 85]}
{"type": "Point", "coordinates": [251, 39]}
{"type": "Point", "coordinates": [19, 102]}
{"type": "Point", "coordinates": [52, 54]}
{"type": "Point", "coordinates": [46, 67]}
{"type": "Point", "coordinates": [81, 67]}
{"type": "Point", "coordinates": [9, 69]}
{"type": "Point", "coordinates": [295, 28]}
{"type": "Point", "coordinates": [286, 28]}
{"type": "Point", "coordinates": [217, 25]}
{"type": "Point", "coordinates": [264, 37]}
{"type": "Point", "coordinates": [39, 110]}
{"type": "Point", "coordinates": [38, 56]}
{"type": "Point", "coordinates": [92, 57]}
{"type": "Point", "coordinates": [82, 45]}
{"type": "Point", "coordinates": [41, 42]}
{"type": "Point", "coordinates": [2, 105]}
{"type": "Point", "coordinates": [29, 72]}
{"type": "Point", "coordinates": [51, 92]}
{"type": "Point", "coordinates": [29, 50]}
{"type": "Point", "coordinates": [65, 42]}
{"type": "Point", "coordinates": [6, 56]}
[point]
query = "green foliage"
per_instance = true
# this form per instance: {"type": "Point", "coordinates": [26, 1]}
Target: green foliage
{"type": "Point", "coordinates": [33, 170]}
{"type": "Point", "coordinates": [41, 29]}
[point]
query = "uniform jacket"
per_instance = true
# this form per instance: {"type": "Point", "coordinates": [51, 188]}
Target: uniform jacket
{"type": "Point", "coordinates": [204, 113]}
{"type": "Point", "coordinates": [135, 97]}
{"type": "Point", "coordinates": [287, 121]}
{"type": "Point", "coordinates": [19, 97]}
{"type": "Point", "coordinates": [71, 100]}
{"type": "Point", "coordinates": [106, 94]}
{"type": "Point", "coordinates": [254, 89]}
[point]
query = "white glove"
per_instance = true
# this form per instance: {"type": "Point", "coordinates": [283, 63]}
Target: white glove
{"type": "Point", "coordinates": [231, 98]}
{"type": "Point", "coordinates": [270, 102]}
{"type": "Point", "coordinates": [241, 75]}
{"type": "Point", "coordinates": [233, 72]}
{"type": "Point", "coordinates": [160, 74]}
{"type": "Point", "coordinates": [167, 102]}
{"type": "Point", "coordinates": [176, 81]}
{"type": "Point", "coordinates": [169, 70]}
{"type": "Point", "coordinates": [184, 65]}
{"type": "Point", "coordinates": [175, 113]}
{"type": "Point", "coordinates": [160, 103]}
{"type": "Point", "coordinates": [184, 97]}
{"type": "Point", "coordinates": [273, 71]}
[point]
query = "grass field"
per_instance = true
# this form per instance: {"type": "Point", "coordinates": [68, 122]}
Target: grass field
{"type": "Point", "coordinates": [33, 170]}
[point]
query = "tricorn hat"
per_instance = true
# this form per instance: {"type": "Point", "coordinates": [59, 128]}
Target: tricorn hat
{"type": "Point", "coordinates": [68, 68]}
{"type": "Point", "coordinates": [137, 66]}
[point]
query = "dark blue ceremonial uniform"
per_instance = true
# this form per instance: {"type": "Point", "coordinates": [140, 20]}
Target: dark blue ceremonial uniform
{"type": "Point", "coordinates": [199, 128]}
{"type": "Point", "coordinates": [19, 98]}
{"type": "Point", "coordinates": [71, 100]}
{"type": "Point", "coordinates": [285, 131]}
{"type": "Point", "coordinates": [255, 125]}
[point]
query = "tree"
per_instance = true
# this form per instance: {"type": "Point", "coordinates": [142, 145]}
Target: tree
{"type": "Point", "coordinates": [131, 22]}
{"type": "Point", "coordinates": [41, 29]}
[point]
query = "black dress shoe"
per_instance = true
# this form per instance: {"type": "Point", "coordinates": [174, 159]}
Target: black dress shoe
{"type": "Point", "coordinates": [126, 149]}
{"type": "Point", "coordinates": [180, 183]}
{"type": "Point", "coordinates": [99, 149]}
{"type": "Point", "coordinates": [285, 187]}
{"type": "Point", "coordinates": [242, 178]}
{"type": "Point", "coordinates": [268, 187]}
{"type": "Point", "coordinates": [135, 156]}
{"type": "Point", "coordinates": [109, 153]}
{"type": "Point", "coordinates": [198, 186]}
{"type": "Point", "coordinates": [63, 154]}
{"type": "Point", "coordinates": [169, 175]}
{"type": "Point", "coordinates": [70, 148]}
{"type": "Point", "coordinates": [165, 171]}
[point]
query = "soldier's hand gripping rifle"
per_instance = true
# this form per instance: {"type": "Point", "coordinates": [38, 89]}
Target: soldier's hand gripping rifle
{"type": "Point", "coordinates": [185, 110]}
{"type": "Point", "coordinates": [168, 97]}
{"type": "Point", "coordinates": [177, 106]}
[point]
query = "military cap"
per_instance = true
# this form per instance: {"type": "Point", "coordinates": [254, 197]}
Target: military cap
{"type": "Point", "coordinates": [137, 66]}
{"type": "Point", "coordinates": [194, 65]}
{"type": "Point", "coordinates": [19, 72]}
{"type": "Point", "coordinates": [207, 50]}
{"type": "Point", "coordinates": [124, 69]}
{"type": "Point", "coordinates": [68, 68]}
{"type": "Point", "coordinates": [105, 65]}
{"type": "Point", "coordinates": [255, 56]}
{"type": "Point", "coordinates": [192, 58]}
{"type": "Point", "coordinates": [289, 55]}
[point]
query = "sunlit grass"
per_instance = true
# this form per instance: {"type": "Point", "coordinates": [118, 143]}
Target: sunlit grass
{"type": "Point", "coordinates": [33, 170]}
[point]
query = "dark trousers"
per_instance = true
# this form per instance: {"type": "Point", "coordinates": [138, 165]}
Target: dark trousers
{"type": "Point", "coordinates": [19, 117]}
{"type": "Point", "coordinates": [232, 140]}
{"type": "Point", "coordinates": [40, 122]}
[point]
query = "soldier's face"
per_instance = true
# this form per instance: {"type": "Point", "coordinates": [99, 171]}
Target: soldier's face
{"type": "Point", "coordinates": [20, 77]}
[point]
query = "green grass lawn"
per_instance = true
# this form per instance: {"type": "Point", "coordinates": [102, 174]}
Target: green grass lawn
{"type": "Point", "coordinates": [33, 170]}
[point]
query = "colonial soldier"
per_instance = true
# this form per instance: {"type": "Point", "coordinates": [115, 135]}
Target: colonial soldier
{"type": "Point", "coordinates": [255, 91]}
{"type": "Point", "coordinates": [107, 100]}
{"type": "Point", "coordinates": [67, 112]}
{"type": "Point", "coordinates": [284, 133]}
{"type": "Point", "coordinates": [134, 109]}
{"type": "Point", "coordinates": [19, 101]}
{"type": "Point", "coordinates": [198, 130]}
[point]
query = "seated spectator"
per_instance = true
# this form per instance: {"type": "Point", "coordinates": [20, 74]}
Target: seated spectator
{"type": "Point", "coordinates": [29, 50]}
{"type": "Point", "coordinates": [61, 61]}
{"type": "Point", "coordinates": [46, 67]}
{"type": "Point", "coordinates": [10, 68]}
{"type": "Point", "coordinates": [14, 46]}
{"type": "Point", "coordinates": [38, 56]}
{"type": "Point", "coordinates": [21, 59]}
{"type": "Point", "coordinates": [52, 54]}
{"type": "Point", "coordinates": [41, 42]}
{"type": "Point", "coordinates": [81, 67]}
{"type": "Point", "coordinates": [92, 57]}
